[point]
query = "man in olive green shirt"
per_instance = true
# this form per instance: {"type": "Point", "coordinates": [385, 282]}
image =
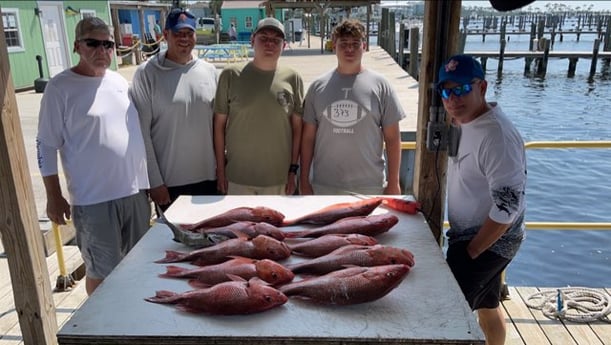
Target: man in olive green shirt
{"type": "Point", "coordinates": [258, 119]}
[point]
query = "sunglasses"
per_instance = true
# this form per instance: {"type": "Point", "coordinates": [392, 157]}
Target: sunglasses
{"type": "Point", "coordinates": [93, 43]}
{"type": "Point", "coordinates": [175, 13]}
{"type": "Point", "coordinates": [458, 91]}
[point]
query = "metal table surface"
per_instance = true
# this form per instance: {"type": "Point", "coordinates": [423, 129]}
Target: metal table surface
{"type": "Point", "coordinates": [427, 307]}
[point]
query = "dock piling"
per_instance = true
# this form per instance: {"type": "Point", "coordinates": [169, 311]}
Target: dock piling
{"type": "Point", "coordinates": [594, 58]}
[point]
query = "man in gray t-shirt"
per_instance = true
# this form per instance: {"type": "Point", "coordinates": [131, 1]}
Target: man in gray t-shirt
{"type": "Point", "coordinates": [350, 115]}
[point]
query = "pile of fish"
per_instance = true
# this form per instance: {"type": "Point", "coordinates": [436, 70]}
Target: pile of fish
{"type": "Point", "coordinates": [235, 258]}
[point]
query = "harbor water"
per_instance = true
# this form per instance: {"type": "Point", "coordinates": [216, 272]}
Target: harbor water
{"type": "Point", "coordinates": [564, 185]}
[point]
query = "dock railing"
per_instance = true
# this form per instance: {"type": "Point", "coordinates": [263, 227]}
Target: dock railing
{"type": "Point", "coordinates": [597, 144]}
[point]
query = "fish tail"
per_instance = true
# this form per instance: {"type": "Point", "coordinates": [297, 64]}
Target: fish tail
{"type": "Point", "coordinates": [172, 256]}
{"type": "Point", "coordinates": [173, 272]}
{"type": "Point", "coordinates": [163, 296]}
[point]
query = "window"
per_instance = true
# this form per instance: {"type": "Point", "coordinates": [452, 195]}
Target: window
{"type": "Point", "coordinates": [87, 13]}
{"type": "Point", "coordinates": [248, 22]}
{"type": "Point", "coordinates": [12, 32]}
{"type": "Point", "coordinates": [234, 21]}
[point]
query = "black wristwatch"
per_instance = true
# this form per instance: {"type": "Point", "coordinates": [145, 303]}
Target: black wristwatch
{"type": "Point", "coordinates": [293, 168]}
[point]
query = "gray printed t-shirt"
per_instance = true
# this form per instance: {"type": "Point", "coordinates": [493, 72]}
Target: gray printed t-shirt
{"type": "Point", "coordinates": [350, 112]}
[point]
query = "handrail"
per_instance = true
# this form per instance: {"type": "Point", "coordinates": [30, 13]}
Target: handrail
{"type": "Point", "coordinates": [559, 225]}
{"type": "Point", "coordinates": [596, 144]}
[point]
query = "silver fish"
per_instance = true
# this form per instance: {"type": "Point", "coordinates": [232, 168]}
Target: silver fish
{"type": "Point", "coordinates": [190, 238]}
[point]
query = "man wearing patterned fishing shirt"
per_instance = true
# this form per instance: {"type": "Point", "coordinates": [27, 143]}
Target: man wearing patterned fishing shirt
{"type": "Point", "coordinates": [486, 182]}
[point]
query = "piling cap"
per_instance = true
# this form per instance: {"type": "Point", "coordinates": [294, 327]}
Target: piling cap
{"type": "Point", "coordinates": [461, 69]}
{"type": "Point", "coordinates": [270, 23]}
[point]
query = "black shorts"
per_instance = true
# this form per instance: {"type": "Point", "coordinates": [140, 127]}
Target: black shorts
{"type": "Point", "coordinates": [199, 188]}
{"type": "Point", "coordinates": [479, 279]}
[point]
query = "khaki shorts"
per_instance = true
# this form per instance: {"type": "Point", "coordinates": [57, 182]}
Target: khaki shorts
{"type": "Point", "coordinates": [105, 232]}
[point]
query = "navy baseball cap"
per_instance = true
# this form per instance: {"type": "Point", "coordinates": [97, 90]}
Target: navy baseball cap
{"type": "Point", "coordinates": [180, 19]}
{"type": "Point", "coordinates": [461, 69]}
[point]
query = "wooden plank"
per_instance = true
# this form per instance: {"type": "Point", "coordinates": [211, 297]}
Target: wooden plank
{"type": "Point", "coordinates": [603, 329]}
{"type": "Point", "coordinates": [8, 317]}
{"type": "Point", "coordinates": [554, 330]}
{"type": "Point", "coordinates": [19, 222]}
{"type": "Point", "coordinates": [584, 333]}
{"type": "Point", "coordinates": [523, 320]}
{"type": "Point", "coordinates": [513, 335]}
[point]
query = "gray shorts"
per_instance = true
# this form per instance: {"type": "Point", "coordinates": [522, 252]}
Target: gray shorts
{"type": "Point", "coordinates": [105, 232]}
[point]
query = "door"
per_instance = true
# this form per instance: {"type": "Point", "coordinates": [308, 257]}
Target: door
{"type": "Point", "coordinates": [54, 36]}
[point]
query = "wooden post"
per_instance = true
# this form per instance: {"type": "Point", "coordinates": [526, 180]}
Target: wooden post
{"type": "Point", "coordinates": [392, 46]}
{"type": "Point", "coordinates": [542, 66]}
{"type": "Point", "coordinates": [400, 53]}
{"type": "Point", "coordinates": [607, 45]}
{"type": "Point", "coordinates": [430, 167]}
{"type": "Point", "coordinates": [414, 54]}
{"type": "Point", "coordinates": [115, 22]}
{"type": "Point", "coordinates": [384, 30]}
{"type": "Point", "coordinates": [19, 229]}
{"type": "Point", "coordinates": [368, 25]}
{"type": "Point", "coordinates": [484, 62]}
{"type": "Point", "coordinates": [527, 62]}
{"type": "Point", "coordinates": [501, 56]}
{"type": "Point", "coordinates": [572, 67]}
{"type": "Point", "coordinates": [462, 41]}
{"type": "Point", "coordinates": [594, 58]}
{"type": "Point", "coordinates": [532, 37]}
{"type": "Point", "coordinates": [136, 51]}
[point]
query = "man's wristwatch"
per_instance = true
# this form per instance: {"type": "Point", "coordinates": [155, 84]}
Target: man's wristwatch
{"type": "Point", "coordinates": [293, 168]}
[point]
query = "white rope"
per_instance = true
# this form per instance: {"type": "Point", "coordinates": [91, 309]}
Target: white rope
{"type": "Point", "coordinates": [577, 304]}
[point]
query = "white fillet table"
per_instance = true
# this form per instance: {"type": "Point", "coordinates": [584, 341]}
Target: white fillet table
{"type": "Point", "coordinates": [426, 308]}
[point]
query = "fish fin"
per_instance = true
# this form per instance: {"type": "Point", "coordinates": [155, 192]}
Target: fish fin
{"type": "Point", "coordinates": [162, 296]}
{"type": "Point", "coordinates": [172, 256]}
{"type": "Point", "coordinates": [198, 284]}
{"type": "Point", "coordinates": [173, 272]}
{"type": "Point", "coordinates": [235, 277]}
{"type": "Point", "coordinates": [296, 234]}
{"type": "Point", "coordinates": [290, 222]}
{"type": "Point", "coordinates": [188, 309]}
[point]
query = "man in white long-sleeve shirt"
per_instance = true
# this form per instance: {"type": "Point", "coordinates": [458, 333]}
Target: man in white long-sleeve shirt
{"type": "Point", "coordinates": [486, 182]}
{"type": "Point", "coordinates": [87, 116]}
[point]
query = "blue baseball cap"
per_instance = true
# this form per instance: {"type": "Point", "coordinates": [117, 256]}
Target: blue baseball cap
{"type": "Point", "coordinates": [180, 19]}
{"type": "Point", "coordinates": [461, 69]}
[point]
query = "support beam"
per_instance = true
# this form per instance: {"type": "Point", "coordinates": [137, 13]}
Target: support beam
{"type": "Point", "coordinates": [21, 236]}
{"type": "Point", "coordinates": [442, 19]}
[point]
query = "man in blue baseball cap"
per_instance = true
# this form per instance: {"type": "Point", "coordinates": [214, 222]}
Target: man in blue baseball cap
{"type": "Point", "coordinates": [174, 94]}
{"type": "Point", "coordinates": [486, 183]}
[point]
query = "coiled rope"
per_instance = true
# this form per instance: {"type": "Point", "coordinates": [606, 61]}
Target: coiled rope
{"type": "Point", "coordinates": [577, 304]}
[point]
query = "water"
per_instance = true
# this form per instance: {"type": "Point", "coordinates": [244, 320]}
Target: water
{"type": "Point", "coordinates": [564, 185]}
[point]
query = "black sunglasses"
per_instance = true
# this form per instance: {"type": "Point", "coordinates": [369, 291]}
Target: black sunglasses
{"type": "Point", "coordinates": [93, 43]}
{"type": "Point", "coordinates": [178, 11]}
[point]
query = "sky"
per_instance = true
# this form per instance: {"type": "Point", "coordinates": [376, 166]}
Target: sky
{"type": "Point", "coordinates": [598, 5]}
